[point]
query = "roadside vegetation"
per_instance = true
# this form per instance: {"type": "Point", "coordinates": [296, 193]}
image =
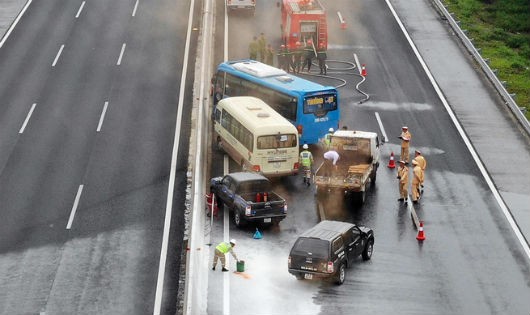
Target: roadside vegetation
{"type": "Point", "coordinates": [501, 30]}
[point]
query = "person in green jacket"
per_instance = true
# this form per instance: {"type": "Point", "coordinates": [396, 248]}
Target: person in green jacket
{"type": "Point", "coordinates": [220, 253]}
{"type": "Point", "coordinates": [253, 48]}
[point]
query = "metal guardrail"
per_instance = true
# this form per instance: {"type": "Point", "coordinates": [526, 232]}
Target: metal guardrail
{"type": "Point", "coordinates": [490, 74]}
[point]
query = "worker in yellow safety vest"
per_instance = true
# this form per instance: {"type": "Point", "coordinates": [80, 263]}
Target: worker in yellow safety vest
{"type": "Point", "coordinates": [306, 160]}
{"type": "Point", "coordinates": [327, 138]}
{"type": "Point", "coordinates": [220, 253]}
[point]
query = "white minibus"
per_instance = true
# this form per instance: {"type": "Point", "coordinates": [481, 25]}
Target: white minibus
{"type": "Point", "coordinates": [256, 136]}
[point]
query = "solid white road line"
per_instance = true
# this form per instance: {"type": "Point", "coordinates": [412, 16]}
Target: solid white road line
{"type": "Point", "coordinates": [135, 7]}
{"type": "Point", "coordinates": [27, 118]}
{"type": "Point", "coordinates": [102, 116]}
{"type": "Point", "coordinates": [12, 27]}
{"type": "Point", "coordinates": [58, 55]}
{"type": "Point", "coordinates": [121, 54]}
{"type": "Point", "coordinates": [357, 63]}
{"type": "Point", "coordinates": [460, 129]}
{"type": "Point", "coordinates": [383, 132]}
{"type": "Point", "coordinates": [171, 186]}
{"type": "Point", "coordinates": [74, 207]}
{"type": "Point", "coordinates": [80, 9]}
{"type": "Point", "coordinates": [226, 237]}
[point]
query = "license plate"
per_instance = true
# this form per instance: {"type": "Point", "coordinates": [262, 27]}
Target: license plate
{"type": "Point", "coordinates": [267, 220]}
{"type": "Point", "coordinates": [308, 276]}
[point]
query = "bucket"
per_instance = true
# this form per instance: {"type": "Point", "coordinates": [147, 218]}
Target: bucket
{"type": "Point", "coordinates": [240, 266]}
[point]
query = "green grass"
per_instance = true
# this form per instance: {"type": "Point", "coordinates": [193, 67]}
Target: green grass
{"type": "Point", "coordinates": [501, 29]}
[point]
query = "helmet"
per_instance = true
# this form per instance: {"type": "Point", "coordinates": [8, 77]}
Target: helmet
{"type": "Point", "coordinates": [282, 46]}
{"type": "Point", "coordinates": [305, 146]}
{"type": "Point", "coordinates": [309, 42]}
{"type": "Point", "coordinates": [331, 130]}
{"type": "Point", "coordinates": [298, 43]}
{"type": "Point", "coordinates": [233, 241]}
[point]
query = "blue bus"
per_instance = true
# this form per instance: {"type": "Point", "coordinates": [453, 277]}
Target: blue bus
{"type": "Point", "coordinates": [311, 107]}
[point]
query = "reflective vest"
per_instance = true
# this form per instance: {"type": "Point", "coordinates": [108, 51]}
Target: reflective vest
{"type": "Point", "coordinates": [224, 247]}
{"type": "Point", "coordinates": [306, 157]}
{"type": "Point", "coordinates": [327, 138]}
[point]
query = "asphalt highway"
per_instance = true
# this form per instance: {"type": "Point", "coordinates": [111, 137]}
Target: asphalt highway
{"type": "Point", "coordinates": [472, 261]}
{"type": "Point", "coordinates": [89, 93]}
{"type": "Point", "coordinates": [89, 105]}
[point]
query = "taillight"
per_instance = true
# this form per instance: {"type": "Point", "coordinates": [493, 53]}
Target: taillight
{"type": "Point", "coordinates": [300, 129]}
{"type": "Point", "coordinates": [296, 166]}
{"type": "Point", "coordinates": [247, 210]}
{"type": "Point", "coordinates": [330, 267]}
{"type": "Point", "coordinates": [289, 262]}
{"type": "Point", "coordinates": [256, 168]}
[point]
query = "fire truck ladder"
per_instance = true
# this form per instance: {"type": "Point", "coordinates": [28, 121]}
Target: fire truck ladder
{"type": "Point", "coordinates": [322, 30]}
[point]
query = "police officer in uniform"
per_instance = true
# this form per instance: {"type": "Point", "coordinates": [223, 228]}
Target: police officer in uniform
{"type": "Point", "coordinates": [403, 181]}
{"type": "Point", "coordinates": [253, 48]}
{"type": "Point", "coordinates": [417, 175]}
{"type": "Point", "coordinates": [405, 143]}
{"type": "Point", "coordinates": [269, 55]}
{"type": "Point", "coordinates": [423, 165]}
{"type": "Point", "coordinates": [262, 47]}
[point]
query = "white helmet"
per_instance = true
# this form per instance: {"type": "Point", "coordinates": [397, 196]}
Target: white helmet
{"type": "Point", "coordinates": [305, 146]}
{"type": "Point", "coordinates": [331, 130]}
{"type": "Point", "coordinates": [233, 241]}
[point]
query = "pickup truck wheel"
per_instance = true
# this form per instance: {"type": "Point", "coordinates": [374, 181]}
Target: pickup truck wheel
{"type": "Point", "coordinates": [299, 276]}
{"type": "Point", "coordinates": [341, 274]}
{"type": "Point", "coordinates": [238, 220]}
{"type": "Point", "coordinates": [368, 249]}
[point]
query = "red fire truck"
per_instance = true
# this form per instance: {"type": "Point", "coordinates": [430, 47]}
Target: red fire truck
{"type": "Point", "coordinates": [303, 20]}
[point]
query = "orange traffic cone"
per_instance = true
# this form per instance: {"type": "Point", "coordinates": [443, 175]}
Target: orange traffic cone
{"type": "Point", "coordinates": [421, 234]}
{"type": "Point", "coordinates": [363, 70]}
{"type": "Point", "coordinates": [391, 163]}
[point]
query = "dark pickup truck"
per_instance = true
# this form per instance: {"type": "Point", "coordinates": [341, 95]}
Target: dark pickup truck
{"type": "Point", "coordinates": [250, 197]}
{"type": "Point", "coordinates": [325, 250]}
